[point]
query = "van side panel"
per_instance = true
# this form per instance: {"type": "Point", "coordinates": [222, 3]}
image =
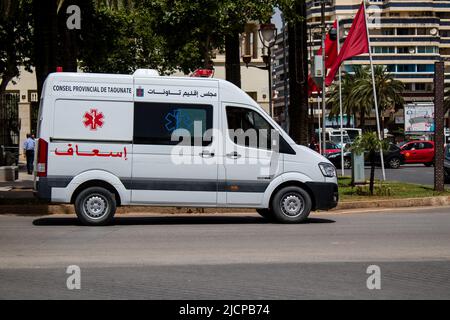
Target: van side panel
{"type": "Point", "coordinates": [87, 122]}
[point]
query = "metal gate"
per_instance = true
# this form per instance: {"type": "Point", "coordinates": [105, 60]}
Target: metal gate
{"type": "Point", "coordinates": [9, 128]}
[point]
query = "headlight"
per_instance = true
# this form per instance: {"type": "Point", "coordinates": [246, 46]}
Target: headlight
{"type": "Point", "coordinates": [328, 170]}
{"type": "Point", "coordinates": [334, 155]}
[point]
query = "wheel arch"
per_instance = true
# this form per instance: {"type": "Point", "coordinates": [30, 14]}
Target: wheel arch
{"type": "Point", "coordinates": [295, 183]}
{"type": "Point", "coordinates": [96, 183]}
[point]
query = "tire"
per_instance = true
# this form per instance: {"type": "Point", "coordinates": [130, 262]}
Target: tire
{"type": "Point", "coordinates": [429, 164]}
{"type": "Point", "coordinates": [266, 214]}
{"type": "Point", "coordinates": [394, 163]}
{"type": "Point", "coordinates": [291, 205]}
{"type": "Point", "coordinates": [95, 206]}
{"type": "Point", "coordinates": [347, 163]}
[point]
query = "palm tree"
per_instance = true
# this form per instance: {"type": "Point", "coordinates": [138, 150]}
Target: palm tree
{"type": "Point", "coordinates": [389, 91]}
{"type": "Point", "coordinates": [349, 105]}
{"type": "Point", "coordinates": [446, 101]}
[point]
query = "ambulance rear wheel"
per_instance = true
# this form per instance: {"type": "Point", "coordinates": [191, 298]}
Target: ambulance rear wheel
{"type": "Point", "coordinates": [291, 205]}
{"type": "Point", "coordinates": [95, 206]}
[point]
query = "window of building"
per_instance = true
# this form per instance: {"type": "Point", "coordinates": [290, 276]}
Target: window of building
{"type": "Point", "coordinates": [420, 86]}
{"type": "Point", "coordinates": [154, 123]}
{"type": "Point", "coordinates": [406, 68]}
{"type": "Point", "coordinates": [253, 95]}
{"type": "Point", "coordinates": [406, 31]}
{"type": "Point", "coordinates": [444, 33]}
{"type": "Point", "coordinates": [388, 31]}
{"type": "Point", "coordinates": [390, 68]}
{"type": "Point", "coordinates": [422, 31]}
{"type": "Point", "coordinates": [408, 87]}
{"type": "Point", "coordinates": [383, 49]}
{"type": "Point", "coordinates": [425, 68]}
{"type": "Point", "coordinates": [405, 50]}
{"type": "Point", "coordinates": [427, 49]}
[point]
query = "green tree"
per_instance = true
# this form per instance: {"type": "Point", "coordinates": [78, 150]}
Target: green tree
{"type": "Point", "coordinates": [192, 30]}
{"type": "Point", "coordinates": [370, 144]}
{"type": "Point", "coordinates": [447, 100]}
{"type": "Point", "coordinates": [15, 39]}
{"type": "Point", "coordinates": [389, 91]}
{"type": "Point", "coordinates": [234, 14]}
{"type": "Point", "coordinates": [349, 105]}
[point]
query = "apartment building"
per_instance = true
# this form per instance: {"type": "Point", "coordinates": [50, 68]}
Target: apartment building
{"type": "Point", "coordinates": [407, 36]}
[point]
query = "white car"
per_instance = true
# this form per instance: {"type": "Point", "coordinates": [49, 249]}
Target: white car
{"type": "Point", "coordinates": [143, 139]}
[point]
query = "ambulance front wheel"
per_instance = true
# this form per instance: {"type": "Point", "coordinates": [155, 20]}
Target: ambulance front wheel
{"type": "Point", "coordinates": [291, 205]}
{"type": "Point", "coordinates": [95, 206]}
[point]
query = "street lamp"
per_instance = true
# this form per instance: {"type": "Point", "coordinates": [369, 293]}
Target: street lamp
{"type": "Point", "coordinates": [267, 34]}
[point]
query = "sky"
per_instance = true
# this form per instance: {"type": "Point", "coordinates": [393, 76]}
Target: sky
{"type": "Point", "coordinates": [276, 18]}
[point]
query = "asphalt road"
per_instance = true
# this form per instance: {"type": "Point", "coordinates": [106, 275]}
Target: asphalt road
{"type": "Point", "coordinates": [411, 173]}
{"type": "Point", "coordinates": [228, 257]}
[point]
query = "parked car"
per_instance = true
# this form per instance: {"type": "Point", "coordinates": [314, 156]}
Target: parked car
{"type": "Point", "coordinates": [331, 147]}
{"type": "Point", "coordinates": [392, 158]}
{"type": "Point", "coordinates": [418, 152]}
{"type": "Point", "coordinates": [447, 164]}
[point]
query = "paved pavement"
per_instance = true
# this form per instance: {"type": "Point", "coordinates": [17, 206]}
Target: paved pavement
{"type": "Point", "coordinates": [229, 257]}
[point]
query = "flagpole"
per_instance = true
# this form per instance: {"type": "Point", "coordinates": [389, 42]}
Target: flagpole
{"type": "Point", "coordinates": [375, 98]}
{"type": "Point", "coordinates": [319, 115]}
{"type": "Point", "coordinates": [340, 100]}
{"type": "Point", "coordinates": [324, 75]}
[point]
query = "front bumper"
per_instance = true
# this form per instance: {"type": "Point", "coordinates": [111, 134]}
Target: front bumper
{"type": "Point", "coordinates": [325, 195]}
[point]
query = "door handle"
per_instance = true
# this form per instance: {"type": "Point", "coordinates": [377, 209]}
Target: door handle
{"type": "Point", "coordinates": [233, 155]}
{"type": "Point", "coordinates": [206, 154]}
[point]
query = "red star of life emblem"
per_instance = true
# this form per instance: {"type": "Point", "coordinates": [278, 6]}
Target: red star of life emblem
{"type": "Point", "coordinates": [93, 119]}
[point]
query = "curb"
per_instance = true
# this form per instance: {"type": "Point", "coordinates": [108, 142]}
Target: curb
{"type": "Point", "coordinates": [396, 203]}
{"type": "Point", "coordinates": [50, 209]}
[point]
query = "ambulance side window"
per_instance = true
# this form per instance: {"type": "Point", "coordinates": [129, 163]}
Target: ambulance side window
{"type": "Point", "coordinates": [154, 123]}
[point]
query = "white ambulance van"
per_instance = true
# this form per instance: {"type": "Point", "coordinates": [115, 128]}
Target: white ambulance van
{"type": "Point", "coordinates": [143, 139]}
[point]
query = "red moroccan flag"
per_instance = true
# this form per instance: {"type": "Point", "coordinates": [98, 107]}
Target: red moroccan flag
{"type": "Point", "coordinates": [355, 44]}
{"type": "Point", "coordinates": [331, 55]}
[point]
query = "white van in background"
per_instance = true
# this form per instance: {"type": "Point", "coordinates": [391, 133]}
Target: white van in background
{"type": "Point", "coordinates": [109, 140]}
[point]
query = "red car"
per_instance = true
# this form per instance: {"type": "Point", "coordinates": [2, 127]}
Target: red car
{"type": "Point", "coordinates": [418, 152]}
{"type": "Point", "coordinates": [330, 147]}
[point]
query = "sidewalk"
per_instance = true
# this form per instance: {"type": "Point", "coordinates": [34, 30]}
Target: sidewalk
{"type": "Point", "coordinates": [19, 189]}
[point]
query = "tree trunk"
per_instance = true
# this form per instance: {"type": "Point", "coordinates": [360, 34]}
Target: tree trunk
{"type": "Point", "coordinates": [362, 120]}
{"type": "Point", "coordinates": [67, 58]}
{"type": "Point", "coordinates": [232, 59]}
{"type": "Point", "coordinates": [372, 172]}
{"type": "Point", "coordinates": [45, 39]}
{"type": "Point", "coordinates": [4, 83]}
{"type": "Point", "coordinates": [298, 75]}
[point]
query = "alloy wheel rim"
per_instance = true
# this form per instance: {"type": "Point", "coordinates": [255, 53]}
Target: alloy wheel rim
{"type": "Point", "coordinates": [395, 163]}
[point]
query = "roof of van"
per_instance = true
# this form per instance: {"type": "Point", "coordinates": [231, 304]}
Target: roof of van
{"type": "Point", "coordinates": [228, 91]}
{"type": "Point", "coordinates": [122, 77]}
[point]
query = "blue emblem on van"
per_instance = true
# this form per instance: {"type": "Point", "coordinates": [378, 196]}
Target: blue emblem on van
{"type": "Point", "coordinates": [177, 119]}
